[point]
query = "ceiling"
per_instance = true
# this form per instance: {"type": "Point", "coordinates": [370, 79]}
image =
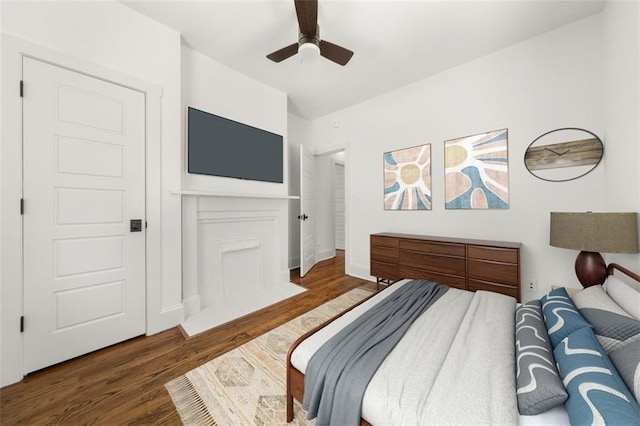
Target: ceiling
{"type": "Point", "coordinates": [395, 42]}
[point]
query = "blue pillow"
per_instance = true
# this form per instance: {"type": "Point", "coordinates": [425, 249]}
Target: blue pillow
{"type": "Point", "coordinates": [561, 315]}
{"type": "Point", "coordinates": [597, 394]}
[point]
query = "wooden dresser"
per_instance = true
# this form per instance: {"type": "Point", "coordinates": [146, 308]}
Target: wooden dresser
{"type": "Point", "coordinates": [462, 263]}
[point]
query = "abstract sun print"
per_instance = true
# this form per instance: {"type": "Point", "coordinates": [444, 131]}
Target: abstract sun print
{"type": "Point", "coordinates": [477, 171]}
{"type": "Point", "coordinates": [407, 179]}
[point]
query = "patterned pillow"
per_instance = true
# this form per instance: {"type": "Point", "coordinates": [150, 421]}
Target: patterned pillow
{"type": "Point", "coordinates": [627, 362]}
{"type": "Point", "coordinates": [597, 394]}
{"type": "Point", "coordinates": [560, 315]}
{"type": "Point", "coordinates": [624, 295]}
{"type": "Point", "coordinates": [617, 331]}
{"type": "Point", "coordinates": [614, 327]}
{"type": "Point", "coordinates": [539, 387]}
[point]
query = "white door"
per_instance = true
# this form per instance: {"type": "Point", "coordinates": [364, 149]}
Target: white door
{"type": "Point", "coordinates": [307, 205]}
{"type": "Point", "coordinates": [84, 180]}
{"type": "Point", "coordinates": [339, 205]}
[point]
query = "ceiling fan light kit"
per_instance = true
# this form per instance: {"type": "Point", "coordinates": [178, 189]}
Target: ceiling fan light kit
{"type": "Point", "coordinates": [309, 52]}
{"type": "Point", "coordinates": [309, 45]}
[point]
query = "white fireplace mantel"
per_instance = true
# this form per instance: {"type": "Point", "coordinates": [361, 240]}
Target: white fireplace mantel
{"type": "Point", "coordinates": [233, 245]}
{"type": "Point", "coordinates": [200, 192]}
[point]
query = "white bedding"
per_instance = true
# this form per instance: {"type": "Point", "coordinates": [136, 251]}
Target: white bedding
{"type": "Point", "coordinates": [455, 364]}
{"type": "Point", "coordinates": [557, 416]}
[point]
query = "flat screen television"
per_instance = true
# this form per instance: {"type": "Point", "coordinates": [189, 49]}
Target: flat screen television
{"type": "Point", "coordinates": [217, 146]}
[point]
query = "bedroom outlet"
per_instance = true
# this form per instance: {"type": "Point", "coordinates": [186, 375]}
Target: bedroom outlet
{"type": "Point", "coordinates": [532, 285]}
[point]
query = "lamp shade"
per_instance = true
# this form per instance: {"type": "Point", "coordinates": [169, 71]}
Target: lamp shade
{"type": "Point", "coordinates": [595, 232]}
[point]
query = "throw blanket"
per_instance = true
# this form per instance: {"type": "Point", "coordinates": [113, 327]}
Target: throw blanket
{"type": "Point", "coordinates": [338, 373]}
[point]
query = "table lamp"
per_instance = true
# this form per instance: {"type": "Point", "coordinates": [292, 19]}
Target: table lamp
{"type": "Point", "coordinates": [592, 233]}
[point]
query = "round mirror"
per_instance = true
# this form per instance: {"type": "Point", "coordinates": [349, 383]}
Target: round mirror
{"type": "Point", "coordinates": [563, 154]}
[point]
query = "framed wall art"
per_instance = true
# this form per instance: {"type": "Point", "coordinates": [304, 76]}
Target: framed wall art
{"type": "Point", "coordinates": [407, 178]}
{"type": "Point", "coordinates": [477, 171]}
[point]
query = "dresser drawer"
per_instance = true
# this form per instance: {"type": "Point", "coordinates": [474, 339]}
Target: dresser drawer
{"type": "Point", "coordinates": [493, 253]}
{"type": "Point", "coordinates": [433, 262]}
{"type": "Point", "coordinates": [377, 240]}
{"type": "Point", "coordinates": [417, 273]}
{"type": "Point", "coordinates": [384, 254]}
{"type": "Point", "coordinates": [433, 247]}
{"type": "Point", "coordinates": [503, 273]}
{"type": "Point", "coordinates": [389, 271]}
{"type": "Point", "coordinates": [475, 285]}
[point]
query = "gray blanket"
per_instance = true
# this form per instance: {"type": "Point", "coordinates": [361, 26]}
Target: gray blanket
{"type": "Point", "coordinates": [338, 373]}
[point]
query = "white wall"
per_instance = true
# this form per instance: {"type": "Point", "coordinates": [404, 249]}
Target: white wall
{"type": "Point", "coordinates": [3, 342]}
{"type": "Point", "coordinates": [552, 81]}
{"type": "Point", "coordinates": [209, 86]}
{"type": "Point", "coordinates": [622, 113]}
{"type": "Point", "coordinates": [109, 36]}
{"type": "Point", "coordinates": [212, 87]}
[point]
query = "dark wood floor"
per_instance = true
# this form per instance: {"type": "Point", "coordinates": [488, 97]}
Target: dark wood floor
{"type": "Point", "coordinates": [124, 383]}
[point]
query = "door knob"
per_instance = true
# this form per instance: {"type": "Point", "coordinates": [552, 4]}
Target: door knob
{"type": "Point", "coordinates": [303, 216]}
{"type": "Point", "coordinates": [135, 225]}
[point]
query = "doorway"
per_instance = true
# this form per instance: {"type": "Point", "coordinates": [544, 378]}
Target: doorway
{"type": "Point", "coordinates": [331, 205]}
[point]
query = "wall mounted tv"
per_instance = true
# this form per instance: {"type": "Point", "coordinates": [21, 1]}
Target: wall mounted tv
{"type": "Point", "coordinates": [217, 146]}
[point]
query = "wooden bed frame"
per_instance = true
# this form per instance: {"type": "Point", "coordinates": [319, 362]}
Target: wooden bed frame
{"type": "Point", "coordinates": [295, 379]}
{"type": "Point", "coordinates": [613, 266]}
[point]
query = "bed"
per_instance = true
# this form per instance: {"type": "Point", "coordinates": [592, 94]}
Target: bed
{"type": "Point", "coordinates": [469, 358]}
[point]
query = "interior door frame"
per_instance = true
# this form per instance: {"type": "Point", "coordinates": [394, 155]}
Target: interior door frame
{"type": "Point", "coordinates": [329, 150]}
{"type": "Point", "coordinates": [11, 274]}
{"type": "Point", "coordinates": [335, 165]}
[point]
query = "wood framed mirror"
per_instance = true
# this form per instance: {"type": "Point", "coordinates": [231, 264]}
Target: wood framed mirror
{"type": "Point", "coordinates": [563, 154]}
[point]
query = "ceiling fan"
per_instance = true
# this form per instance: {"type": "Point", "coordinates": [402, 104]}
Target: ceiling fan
{"type": "Point", "coordinates": [309, 37]}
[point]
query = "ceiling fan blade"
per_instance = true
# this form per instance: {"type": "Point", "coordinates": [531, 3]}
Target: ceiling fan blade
{"type": "Point", "coordinates": [284, 53]}
{"type": "Point", "coordinates": [307, 11]}
{"type": "Point", "coordinates": [335, 53]}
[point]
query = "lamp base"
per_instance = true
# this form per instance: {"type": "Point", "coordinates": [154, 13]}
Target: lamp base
{"type": "Point", "coordinates": [591, 268]}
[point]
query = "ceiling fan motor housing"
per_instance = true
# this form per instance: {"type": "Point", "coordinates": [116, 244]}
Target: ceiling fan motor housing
{"type": "Point", "coordinates": [304, 39]}
{"type": "Point", "coordinates": [308, 47]}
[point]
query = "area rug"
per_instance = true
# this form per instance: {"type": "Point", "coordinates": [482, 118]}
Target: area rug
{"type": "Point", "coordinates": [248, 384]}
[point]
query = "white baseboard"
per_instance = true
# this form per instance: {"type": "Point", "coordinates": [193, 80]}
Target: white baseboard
{"type": "Point", "coordinates": [325, 254]}
{"type": "Point", "coordinates": [359, 271]}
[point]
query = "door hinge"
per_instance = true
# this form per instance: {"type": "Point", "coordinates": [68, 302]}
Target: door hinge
{"type": "Point", "coordinates": [21, 88]}
{"type": "Point", "coordinates": [21, 205]}
{"type": "Point", "coordinates": [146, 225]}
{"type": "Point", "coordinates": [22, 324]}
